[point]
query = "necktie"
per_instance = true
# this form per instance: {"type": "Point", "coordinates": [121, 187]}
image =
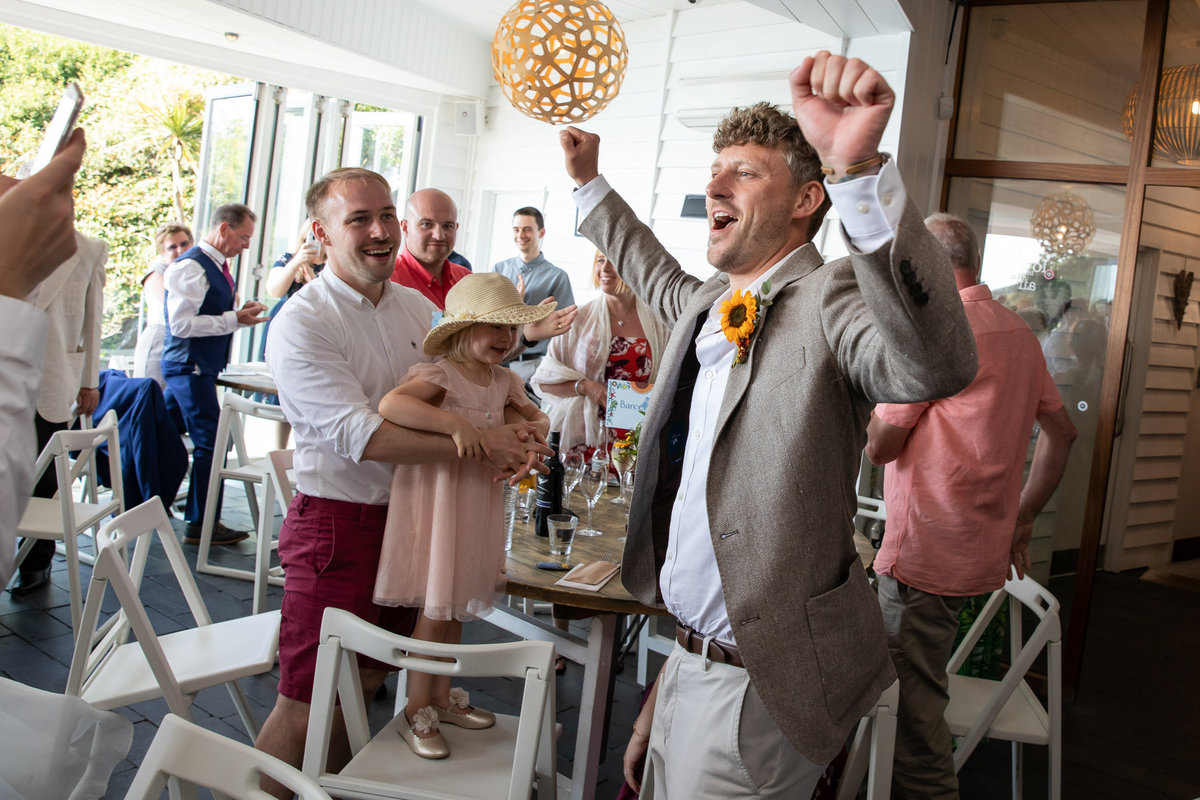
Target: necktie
{"type": "Point", "coordinates": [228, 274]}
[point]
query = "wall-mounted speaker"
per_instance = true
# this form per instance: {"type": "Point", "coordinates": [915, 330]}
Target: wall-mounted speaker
{"type": "Point", "coordinates": [468, 118]}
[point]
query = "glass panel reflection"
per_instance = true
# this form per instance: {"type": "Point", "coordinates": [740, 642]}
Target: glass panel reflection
{"type": "Point", "coordinates": [1177, 116]}
{"type": "Point", "coordinates": [1063, 287]}
{"type": "Point", "coordinates": [1049, 82]}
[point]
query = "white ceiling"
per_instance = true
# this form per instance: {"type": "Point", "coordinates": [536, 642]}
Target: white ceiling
{"type": "Point", "coordinates": [481, 16]}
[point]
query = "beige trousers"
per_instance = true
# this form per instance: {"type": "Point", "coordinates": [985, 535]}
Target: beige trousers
{"type": "Point", "coordinates": [712, 739]}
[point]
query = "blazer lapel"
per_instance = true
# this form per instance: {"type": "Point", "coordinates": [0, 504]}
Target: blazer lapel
{"type": "Point", "coordinates": [49, 288]}
{"type": "Point", "coordinates": [796, 266]}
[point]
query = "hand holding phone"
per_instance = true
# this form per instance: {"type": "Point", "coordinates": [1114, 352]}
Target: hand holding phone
{"type": "Point", "coordinates": [60, 127]}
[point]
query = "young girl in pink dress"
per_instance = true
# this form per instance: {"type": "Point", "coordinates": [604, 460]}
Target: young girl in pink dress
{"type": "Point", "coordinates": [443, 548]}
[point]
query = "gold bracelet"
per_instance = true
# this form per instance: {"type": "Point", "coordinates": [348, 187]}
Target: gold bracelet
{"type": "Point", "coordinates": [877, 160]}
{"type": "Point", "coordinates": [577, 392]}
{"type": "Point", "coordinates": [636, 732]}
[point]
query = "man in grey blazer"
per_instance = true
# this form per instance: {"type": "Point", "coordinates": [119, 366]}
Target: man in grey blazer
{"type": "Point", "coordinates": [741, 520]}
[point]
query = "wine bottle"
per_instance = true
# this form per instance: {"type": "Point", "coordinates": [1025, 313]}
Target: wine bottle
{"type": "Point", "coordinates": [549, 488]}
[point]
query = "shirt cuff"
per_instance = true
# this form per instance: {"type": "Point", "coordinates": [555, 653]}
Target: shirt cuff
{"type": "Point", "coordinates": [870, 207]}
{"type": "Point", "coordinates": [588, 196]}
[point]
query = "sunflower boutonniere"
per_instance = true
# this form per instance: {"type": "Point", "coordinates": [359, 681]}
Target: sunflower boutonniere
{"type": "Point", "coordinates": [742, 317]}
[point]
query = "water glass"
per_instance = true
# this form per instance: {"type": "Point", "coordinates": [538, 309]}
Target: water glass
{"type": "Point", "coordinates": [595, 481]}
{"type": "Point", "coordinates": [526, 503]}
{"type": "Point", "coordinates": [572, 473]}
{"type": "Point", "coordinates": [562, 534]}
{"type": "Point", "coordinates": [510, 514]}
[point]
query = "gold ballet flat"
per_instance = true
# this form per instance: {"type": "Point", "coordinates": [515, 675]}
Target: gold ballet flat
{"type": "Point", "coordinates": [424, 722]}
{"type": "Point", "coordinates": [460, 712]}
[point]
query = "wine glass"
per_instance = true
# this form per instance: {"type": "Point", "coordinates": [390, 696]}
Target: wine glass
{"type": "Point", "coordinates": [572, 472]}
{"type": "Point", "coordinates": [623, 460]}
{"type": "Point", "coordinates": [595, 481]}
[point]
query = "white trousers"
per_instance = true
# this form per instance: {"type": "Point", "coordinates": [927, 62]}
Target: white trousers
{"type": "Point", "coordinates": [712, 739]}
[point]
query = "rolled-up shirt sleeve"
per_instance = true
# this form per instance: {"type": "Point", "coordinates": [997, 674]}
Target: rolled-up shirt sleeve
{"type": "Point", "coordinates": [319, 389]}
{"type": "Point", "coordinates": [187, 284]}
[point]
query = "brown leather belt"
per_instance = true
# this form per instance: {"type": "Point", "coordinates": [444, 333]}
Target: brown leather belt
{"type": "Point", "coordinates": [718, 651]}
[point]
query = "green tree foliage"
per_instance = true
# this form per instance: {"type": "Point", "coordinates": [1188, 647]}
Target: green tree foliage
{"type": "Point", "coordinates": [143, 119]}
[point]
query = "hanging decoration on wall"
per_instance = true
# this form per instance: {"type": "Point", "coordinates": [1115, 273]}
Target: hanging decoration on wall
{"type": "Point", "coordinates": [559, 61]}
{"type": "Point", "coordinates": [1063, 223]}
{"type": "Point", "coordinates": [1183, 292]}
{"type": "Point", "coordinates": [1177, 116]}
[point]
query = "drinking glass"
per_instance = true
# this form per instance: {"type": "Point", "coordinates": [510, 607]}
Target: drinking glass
{"type": "Point", "coordinates": [510, 514]}
{"type": "Point", "coordinates": [572, 473]}
{"type": "Point", "coordinates": [595, 481]}
{"type": "Point", "coordinates": [562, 533]}
{"type": "Point", "coordinates": [623, 460]}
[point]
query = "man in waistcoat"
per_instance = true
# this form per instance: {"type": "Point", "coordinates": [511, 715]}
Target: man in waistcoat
{"type": "Point", "coordinates": [201, 318]}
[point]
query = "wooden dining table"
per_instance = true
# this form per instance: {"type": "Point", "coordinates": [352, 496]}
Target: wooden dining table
{"type": "Point", "coordinates": [597, 652]}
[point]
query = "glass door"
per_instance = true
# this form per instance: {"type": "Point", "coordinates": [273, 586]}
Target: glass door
{"type": "Point", "coordinates": [386, 142]}
{"type": "Point", "coordinates": [1050, 254]}
{"type": "Point", "coordinates": [229, 117]}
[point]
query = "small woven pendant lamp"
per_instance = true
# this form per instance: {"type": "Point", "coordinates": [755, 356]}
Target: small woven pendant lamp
{"type": "Point", "coordinates": [559, 61]}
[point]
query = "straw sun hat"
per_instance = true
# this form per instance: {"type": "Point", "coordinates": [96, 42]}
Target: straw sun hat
{"type": "Point", "coordinates": [487, 297]}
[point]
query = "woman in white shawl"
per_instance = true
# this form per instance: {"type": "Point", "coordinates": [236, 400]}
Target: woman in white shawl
{"type": "Point", "coordinates": [615, 337]}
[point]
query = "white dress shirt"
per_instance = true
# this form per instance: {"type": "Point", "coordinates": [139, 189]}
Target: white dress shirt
{"type": "Point", "coordinates": [690, 582]}
{"type": "Point", "coordinates": [187, 284]}
{"type": "Point", "coordinates": [23, 330]}
{"type": "Point", "coordinates": [334, 355]}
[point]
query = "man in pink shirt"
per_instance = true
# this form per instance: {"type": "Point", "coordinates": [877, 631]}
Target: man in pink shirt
{"type": "Point", "coordinates": [957, 515]}
{"type": "Point", "coordinates": [430, 226]}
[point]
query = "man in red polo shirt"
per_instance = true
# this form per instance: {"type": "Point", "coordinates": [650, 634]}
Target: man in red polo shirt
{"type": "Point", "coordinates": [430, 226]}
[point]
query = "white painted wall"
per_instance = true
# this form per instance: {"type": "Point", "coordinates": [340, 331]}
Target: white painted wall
{"type": "Point", "coordinates": [707, 57]}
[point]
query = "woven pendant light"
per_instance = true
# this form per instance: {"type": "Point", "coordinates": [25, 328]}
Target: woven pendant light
{"type": "Point", "coordinates": [559, 61]}
{"type": "Point", "coordinates": [1177, 118]}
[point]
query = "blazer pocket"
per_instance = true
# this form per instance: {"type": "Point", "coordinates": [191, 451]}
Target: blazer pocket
{"type": "Point", "coordinates": [794, 365]}
{"type": "Point", "coordinates": [849, 641]}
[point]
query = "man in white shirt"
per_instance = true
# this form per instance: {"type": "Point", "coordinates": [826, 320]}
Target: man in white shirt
{"type": "Point", "coordinates": [200, 302]}
{"type": "Point", "coordinates": [340, 344]}
{"type": "Point", "coordinates": [742, 513]}
{"type": "Point", "coordinates": [73, 299]}
{"type": "Point", "coordinates": [37, 226]}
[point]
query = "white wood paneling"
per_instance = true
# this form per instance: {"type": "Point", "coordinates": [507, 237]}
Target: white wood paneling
{"type": "Point", "coordinates": [1152, 481]}
{"type": "Point", "coordinates": [707, 56]}
{"type": "Point", "coordinates": [439, 54]}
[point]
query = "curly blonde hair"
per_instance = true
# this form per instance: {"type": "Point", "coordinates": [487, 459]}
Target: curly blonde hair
{"type": "Point", "coordinates": [766, 125]}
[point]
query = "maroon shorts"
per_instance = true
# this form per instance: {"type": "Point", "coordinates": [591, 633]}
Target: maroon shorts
{"type": "Point", "coordinates": [329, 550]}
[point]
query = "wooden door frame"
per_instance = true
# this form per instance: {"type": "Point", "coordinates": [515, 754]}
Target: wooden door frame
{"type": "Point", "coordinates": [1135, 178]}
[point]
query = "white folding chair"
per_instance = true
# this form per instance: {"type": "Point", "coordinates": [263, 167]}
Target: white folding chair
{"type": "Point", "coordinates": [277, 488]}
{"type": "Point", "coordinates": [499, 762]}
{"type": "Point", "coordinates": [230, 431]}
{"type": "Point", "coordinates": [1008, 709]}
{"type": "Point", "coordinates": [109, 671]}
{"type": "Point", "coordinates": [61, 517]}
{"type": "Point", "coordinates": [194, 757]}
{"type": "Point", "coordinates": [872, 750]}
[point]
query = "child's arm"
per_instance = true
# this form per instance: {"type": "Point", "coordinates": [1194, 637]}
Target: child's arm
{"type": "Point", "coordinates": [414, 404]}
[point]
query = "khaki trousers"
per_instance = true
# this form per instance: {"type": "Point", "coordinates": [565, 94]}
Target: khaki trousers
{"type": "Point", "coordinates": [921, 629]}
{"type": "Point", "coordinates": [712, 739]}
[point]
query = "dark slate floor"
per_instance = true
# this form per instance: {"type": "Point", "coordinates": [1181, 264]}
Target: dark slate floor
{"type": "Point", "coordinates": [1132, 733]}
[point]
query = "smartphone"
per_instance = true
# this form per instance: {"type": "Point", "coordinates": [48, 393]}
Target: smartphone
{"type": "Point", "coordinates": [311, 238]}
{"type": "Point", "coordinates": [60, 128]}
